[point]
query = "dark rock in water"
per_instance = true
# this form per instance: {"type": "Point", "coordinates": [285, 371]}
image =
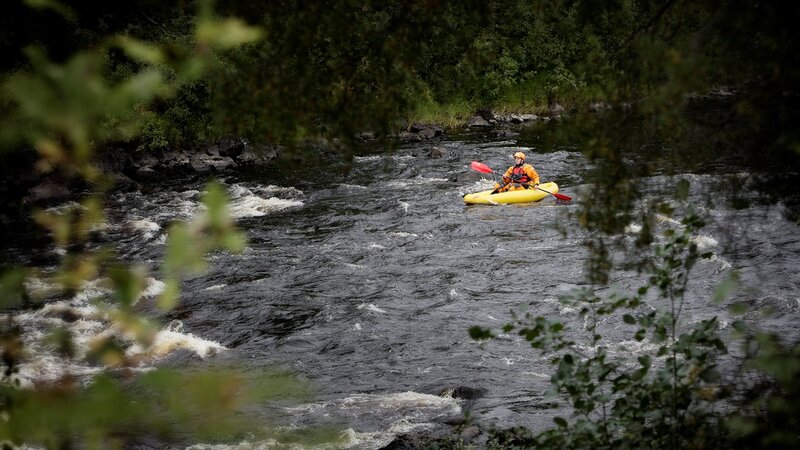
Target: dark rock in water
{"type": "Point", "coordinates": [445, 438]}
{"type": "Point", "coordinates": [410, 442]}
{"type": "Point", "coordinates": [49, 190]}
{"type": "Point", "coordinates": [367, 136]}
{"type": "Point", "coordinates": [179, 358]}
{"type": "Point", "coordinates": [427, 133]}
{"type": "Point", "coordinates": [406, 136]}
{"type": "Point", "coordinates": [231, 147]}
{"type": "Point", "coordinates": [478, 122]}
{"type": "Point", "coordinates": [420, 132]}
{"type": "Point", "coordinates": [204, 163]}
{"type": "Point", "coordinates": [114, 159]}
{"type": "Point", "coordinates": [469, 433]}
{"type": "Point", "coordinates": [468, 393]}
{"type": "Point", "coordinates": [436, 152]}
{"type": "Point", "coordinates": [121, 183]}
{"type": "Point", "coordinates": [514, 437]}
{"type": "Point", "coordinates": [556, 110]}
{"type": "Point", "coordinates": [504, 133]}
{"type": "Point", "coordinates": [146, 164]}
{"type": "Point", "coordinates": [258, 155]}
{"type": "Point", "coordinates": [453, 420]}
{"type": "Point", "coordinates": [487, 114]}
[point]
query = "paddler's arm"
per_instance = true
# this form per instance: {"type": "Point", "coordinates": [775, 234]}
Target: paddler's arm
{"type": "Point", "coordinates": [506, 180]}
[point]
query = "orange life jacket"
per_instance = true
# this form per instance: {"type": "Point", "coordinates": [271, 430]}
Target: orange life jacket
{"type": "Point", "coordinates": [519, 175]}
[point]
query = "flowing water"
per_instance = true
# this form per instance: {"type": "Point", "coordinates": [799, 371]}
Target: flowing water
{"type": "Point", "coordinates": [366, 281]}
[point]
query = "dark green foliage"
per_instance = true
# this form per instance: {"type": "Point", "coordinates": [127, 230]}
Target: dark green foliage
{"type": "Point", "coordinates": [658, 397]}
{"type": "Point", "coordinates": [354, 66]}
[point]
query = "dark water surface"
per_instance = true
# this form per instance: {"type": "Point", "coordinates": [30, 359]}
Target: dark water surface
{"type": "Point", "coordinates": [366, 282]}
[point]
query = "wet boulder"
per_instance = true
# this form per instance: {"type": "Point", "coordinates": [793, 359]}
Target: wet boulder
{"type": "Point", "coordinates": [478, 122]}
{"type": "Point", "coordinates": [436, 152]}
{"type": "Point", "coordinates": [114, 159]}
{"type": "Point", "coordinates": [122, 183]}
{"type": "Point", "coordinates": [49, 190]}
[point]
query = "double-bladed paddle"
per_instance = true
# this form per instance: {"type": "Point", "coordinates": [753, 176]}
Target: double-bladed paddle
{"type": "Point", "coordinates": [483, 168]}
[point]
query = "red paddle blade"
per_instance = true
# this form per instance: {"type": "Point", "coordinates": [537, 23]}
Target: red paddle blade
{"type": "Point", "coordinates": [480, 167]}
{"type": "Point", "coordinates": [566, 198]}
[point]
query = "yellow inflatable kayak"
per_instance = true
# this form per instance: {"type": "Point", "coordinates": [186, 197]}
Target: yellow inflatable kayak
{"type": "Point", "coordinates": [505, 198]}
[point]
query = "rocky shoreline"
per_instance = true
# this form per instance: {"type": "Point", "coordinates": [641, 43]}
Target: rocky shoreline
{"type": "Point", "coordinates": [126, 169]}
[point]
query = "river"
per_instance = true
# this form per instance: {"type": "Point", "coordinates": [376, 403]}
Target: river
{"type": "Point", "coordinates": [365, 281]}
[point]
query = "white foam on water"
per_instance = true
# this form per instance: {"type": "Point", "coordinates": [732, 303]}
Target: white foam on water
{"type": "Point", "coordinates": [420, 180]}
{"type": "Point", "coordinates": [41, 288]}
{"type": "Point", "coordinates": [153, 288]}
{"type": "Point", "coordinates": [371, 307]}
{"type": "Point", "coordinates": [564, 310]}
{"type": "Point", "coordinates": [253, 206]}
{"type": "Point", "coordinates": [404, 205]}
{"type": "Point", "coordinates": [380, 439]}
{"type": "Point", "coordinates": [633, 228]}
{"type": "Point", "coordinates": [147, 228]}
{"type": "Point", "coordinates": [60, 209]}
{"type": "Point", "coordinates": [402, 400]}
{"type": "Point", "coordinates": [239, 191]}
{"type": "Point", "coordinates": [87, 318]}
{"type": "Point", "coordinates": [452, 293]}
{"type": "Point", "coordinates": [215, 287]}
{"type": "Point", "coordinates": [357, 327]}
{"type": "Point", "coordinates": [538, 375]}
{"type": "Point", "coordinates": [348, 439]}
{"type": "Point", "coordinates": [376, 246]}
{"type": "Point", "coordinates": [626, 348]}
{"type": "Point", "coordinates": [367, 158]}
{"type": "Point", "coordinates": [402, 234]}
{"type": "Point", "coordinates": [705, 242]}
{"type": "Point", "coordinates": [192, 193]}
{"type": "Point", "coordinates": [167, 341]}
{"type": "Point", "coordinates": [399, 413]}
{"type": "Point", "coordinates": [664, 219]}
{"type": "Point", "coordinates": [353, 186]}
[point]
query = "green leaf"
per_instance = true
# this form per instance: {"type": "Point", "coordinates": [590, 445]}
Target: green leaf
{"type": "Point", "coordinates": [65, 11]}
{"type": "Point", "coordinates": [739, 308]}
{"type": "Point", "coordinates": [12, 288]}
{"type": "Point", "coordinates": [226, 33]}
{"type": "Point", "coordinates": [480, 334]}
{"type": "Point", "coordinates": [629, 319]}
{"type": "Point", "coordinates": [726, 288]}
{"type": "Point", "coordinates": [141, 51]}
{"type": "Point", "coordinates": [560, 422]}
{"type": "Point", "coordinates": [640, 334]}
{"type": "Point", "coordinates": [682, 189]}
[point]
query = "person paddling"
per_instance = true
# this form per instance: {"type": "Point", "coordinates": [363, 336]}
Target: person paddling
{"type": "Point", "coordinates": [518, 176]}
